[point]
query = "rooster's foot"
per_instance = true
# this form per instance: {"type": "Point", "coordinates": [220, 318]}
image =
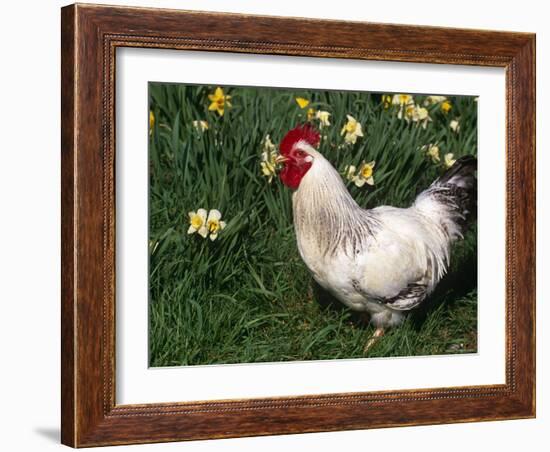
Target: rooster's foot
{"type": "Point", "coordinates": [378, 333]}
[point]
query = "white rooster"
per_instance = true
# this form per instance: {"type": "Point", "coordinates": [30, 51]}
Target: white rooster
{"type": "Point", "coordinates": [385, 260]}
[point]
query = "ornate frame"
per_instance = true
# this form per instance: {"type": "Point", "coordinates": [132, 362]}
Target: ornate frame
{"type": "Point", "coordinates": [90, 36]}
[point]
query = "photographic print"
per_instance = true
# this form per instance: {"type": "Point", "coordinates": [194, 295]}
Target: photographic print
{"type": "Point", "coordinates": [297, 224]}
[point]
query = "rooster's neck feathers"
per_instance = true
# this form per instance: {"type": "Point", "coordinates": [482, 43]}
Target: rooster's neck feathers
{"type": "Point", "coordinates": [326, 215]}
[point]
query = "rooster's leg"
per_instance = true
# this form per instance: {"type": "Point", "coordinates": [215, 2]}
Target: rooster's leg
{"type": "Point", "coordinates": [378, 333]}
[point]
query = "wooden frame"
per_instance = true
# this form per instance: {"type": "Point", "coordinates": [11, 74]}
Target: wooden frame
{"type": "Point", "coordinates": [90, 36]}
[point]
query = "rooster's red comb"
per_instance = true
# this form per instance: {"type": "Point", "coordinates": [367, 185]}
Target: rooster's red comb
{"type": "Point", "coordinates": [304, 132]}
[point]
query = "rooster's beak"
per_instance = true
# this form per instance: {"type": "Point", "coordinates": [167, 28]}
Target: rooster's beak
{"type": "Point", "coordinates": [281, 159]}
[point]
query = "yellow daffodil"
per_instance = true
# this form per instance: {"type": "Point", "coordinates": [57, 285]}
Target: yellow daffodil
{"type": "Point", "coordinates": [323, 117]}
{"type": "Point", "coordinates": [197, 223]}
{"type": "Point", "coordinates": [432, 100]}
{"type": "Point", "coordinates": [302, 103]}
{"type": "Point", "coordinates": [455, 125]}
{"type": "Point", "coordinates": [445, 106]}
{"type": "Point", "coordinates": [219, 101]}
{"type": "Point", "coordinates": [352, 129]}
{"type": "Point", "coordinates": [310, 114]}
{"type": "Point", "coordinates": [268, 162]}
{"type": "Point", "coordinates": [386, 101]}
{"type": "Point", "coordinates": [448, 160]}
{"type": "Point", "coordinates": [214, 224]}
{"type": "Point", "coordinates": [432, 151]}
{"type": "Point", "coordinates": [200, 125]}
{"type": "Point", "coordinates": [151, 121]}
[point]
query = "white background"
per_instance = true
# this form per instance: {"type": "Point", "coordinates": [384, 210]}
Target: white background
{"type": "Point", "coordinates": [138, 384]}
{"type": "Point", "coordinates": [29, 119]}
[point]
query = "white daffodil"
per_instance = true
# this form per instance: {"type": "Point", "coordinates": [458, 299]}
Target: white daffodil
{"type": "Point", "coordinates": [323, 117]}
{"type": "Point", "coordinates": [416, 113]}
{"type": "Point", "coordinates": [365, 174]}
{"type": "Point", "coordinates": [432, 100]}
{"type": "Point", "coordinates": [268, 162]}
{"type": "Point", "coordinates": [214, 223]}
{"type": "Point", "coordinates": [402, 99]}
{"type": "Point", "coordinates": [352, 129]}
{"type": "Point", "coordinates": [455, 125]}
{"type": "Point", "coordinates": [349, 171]}
{"type": "Point", "coordinates": [432, 151]}
{"type": "Point", "coordinates": [197, 223]}
{"type": "Point", "coordinates": [448, 160]}
{"type": "Point", "coordinates": [200, 125]}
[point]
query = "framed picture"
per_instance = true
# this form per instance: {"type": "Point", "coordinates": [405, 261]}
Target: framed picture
{"type": "Point", "coordinates": [269, 230]}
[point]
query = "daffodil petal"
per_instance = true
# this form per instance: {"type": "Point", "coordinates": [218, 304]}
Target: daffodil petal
{"type": "Point", "coordinates": [214, 214]}
{"type": "Point", "coordinates": [202, 213]}
{"type": "Point", "coordinates": [213, 236]}
{"type": "Point", "coordinates": [191, 230]}
{"type": "Point", "coordinates": [203, 231]}
{"type": "Point", "coordinates": [302, 103]}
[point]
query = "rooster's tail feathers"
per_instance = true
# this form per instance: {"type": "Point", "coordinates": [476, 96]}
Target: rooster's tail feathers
{"type": "Point", "coordinates": [452, 198]}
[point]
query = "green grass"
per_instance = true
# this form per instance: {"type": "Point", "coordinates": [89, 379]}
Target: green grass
{"type": "Point", "coordinates": [247, 297]}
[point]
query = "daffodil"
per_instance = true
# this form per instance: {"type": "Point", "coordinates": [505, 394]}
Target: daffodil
{"type": "Point", "coordinates": [214, 224]}
{"type": "Point", "coordinates": [406, 105]}
{"type": "Point", "coordinates": [446, 106]}
{"type": "Point", "coordinates": [421, 116]}
{"type": "Point", "coordinates": [432, 100]}
{"type": "Point", "coordinates": [402, 99]}
{"type": "Point", "coordinates": [448, 160]}
{"type": "Point", "coordinates": [364, 175]}
{"type": "Point", "coordinates": [323, 117]}
{"type": "Point", "coordinates": [200, 125]}
{"type": "Point", "coordinates": [310, 114]}
{"type": "Point", "coordinates": [416, 113]}
{"type": "Point", "coordinates": [349, 172]}
{"type": "Point", "coordinates": [219, 101]}
{"type": "Point", "coordinates": [352, 129]}
{"type": "Point", "coordinates": [386, 101]}
{"type": "Point", "coordinates": [432, 151]}
{"type": "Point", "coordinates": [197, 222]}
{"type": "Point", "coordinates": [455, 125]}
{"type": "Point", "coordinates": [151, 121]}
{"type": "Point", "coordinates": [302, 103]}
{"type": "Point", "coordinates": [268, 162]}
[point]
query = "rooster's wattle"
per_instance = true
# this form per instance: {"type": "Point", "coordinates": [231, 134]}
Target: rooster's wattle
{"type": "Point", "coordinates": [384, 260]}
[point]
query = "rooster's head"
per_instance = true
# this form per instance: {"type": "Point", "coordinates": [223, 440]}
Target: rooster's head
{"type": "Point", "coordinates": [296, 154]}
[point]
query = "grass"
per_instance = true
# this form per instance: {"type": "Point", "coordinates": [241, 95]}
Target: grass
{"type": "Point", "coordinates": [247, 296]}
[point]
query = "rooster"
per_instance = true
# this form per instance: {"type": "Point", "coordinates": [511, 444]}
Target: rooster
{"type": "Point", "coordinates": [383, 261]}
